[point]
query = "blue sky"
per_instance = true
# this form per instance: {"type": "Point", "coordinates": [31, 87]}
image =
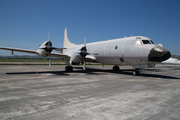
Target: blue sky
{"type": "Point", "coordinates": [25, 23]}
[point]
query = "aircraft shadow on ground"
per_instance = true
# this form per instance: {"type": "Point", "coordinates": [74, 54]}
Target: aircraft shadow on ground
{"type": "Point", "coordinates": [126, 72]}
{"type": "Point", "coordinates": [92, 71]}
{"type": "Point", "coordinates": [40, 72]}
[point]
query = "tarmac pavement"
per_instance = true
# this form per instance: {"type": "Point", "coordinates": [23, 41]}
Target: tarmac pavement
{"type": "Point", "coordinates": [31, 92]}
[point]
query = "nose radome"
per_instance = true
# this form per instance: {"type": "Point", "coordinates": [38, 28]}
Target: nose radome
{"type": "Point", "coordinates": [158, 54]}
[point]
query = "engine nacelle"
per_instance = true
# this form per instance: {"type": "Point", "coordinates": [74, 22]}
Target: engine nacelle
{"type": "Point", "coordinates": [42, 52]}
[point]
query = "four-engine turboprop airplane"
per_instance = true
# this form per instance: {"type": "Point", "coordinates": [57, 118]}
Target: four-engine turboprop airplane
{"type": "Point", "coordinates": [136, 51]}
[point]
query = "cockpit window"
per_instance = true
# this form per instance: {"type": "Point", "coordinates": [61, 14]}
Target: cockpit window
{"type": "Point", "coordinates": [152, 42]}
{"type": "Point", "coordinates": [146, 41]}
{"type": "Point", "coordinates": [138, 42]}
{"type": "Point", "coordinates": [143, 42]}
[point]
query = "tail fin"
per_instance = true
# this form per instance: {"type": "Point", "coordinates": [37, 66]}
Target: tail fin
{"type": "Point", "coordinates": [67, 43]}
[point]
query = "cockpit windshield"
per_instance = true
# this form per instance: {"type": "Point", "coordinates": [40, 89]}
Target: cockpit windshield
{"type": "Point", "coordinates": [143, 42]}
{"type": "Point", "coordinates": [146, 42]}
{"type": "Point", "coordinates": [152, 42]}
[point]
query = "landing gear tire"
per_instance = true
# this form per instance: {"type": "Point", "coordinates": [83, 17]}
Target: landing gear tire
{"type": "Point", "coordinates": [115, 68]}
{"type": "Point", "coordinates": [68, 68]}
{"type": "Point", "coordinates": [135, 72]}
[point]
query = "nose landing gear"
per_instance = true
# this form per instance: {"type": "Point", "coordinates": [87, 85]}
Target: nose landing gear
{"type": "Point", "coordinates": [135, 72]}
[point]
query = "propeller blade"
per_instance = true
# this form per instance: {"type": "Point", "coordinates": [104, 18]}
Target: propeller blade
{"type": "Point", "coordinates": [49, 36]}
{"type": "Point", "coordinates": [49, 59]}
{"type": "Point", "coordinates": [49, 43]}
{"type": "Point", "coordinates": [85, 42]}
{"type": "Point", "coordinates": [84, 64]}
{"type": "Point", "coordinates": [84, 53]}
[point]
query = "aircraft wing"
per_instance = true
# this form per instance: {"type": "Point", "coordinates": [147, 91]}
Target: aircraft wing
{"type": "Point", "coordinates": [33, 52]}
{"type": "Point", "coordinates": [59, 55]}
{"type": "Point", "coordinates": [19, 50]}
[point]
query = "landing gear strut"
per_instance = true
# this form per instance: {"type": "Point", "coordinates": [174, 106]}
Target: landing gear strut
{"type": "Point", "coordinates": [135, 72]}
{"type": "Point", "coordinates": [116, 68]}
{"type": "Point", "coordinates": [68, 68]}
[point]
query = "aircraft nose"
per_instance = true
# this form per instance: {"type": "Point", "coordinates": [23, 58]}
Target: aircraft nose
{"type": "Point", "coordinates": [158, 54]}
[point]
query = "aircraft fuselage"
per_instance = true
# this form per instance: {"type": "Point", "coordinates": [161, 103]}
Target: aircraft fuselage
{"type": "Point", "coordinates": [124, 51]}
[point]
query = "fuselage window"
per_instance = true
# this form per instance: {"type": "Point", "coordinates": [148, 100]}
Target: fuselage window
{"type": "Point", "coordinates": [146, 41]}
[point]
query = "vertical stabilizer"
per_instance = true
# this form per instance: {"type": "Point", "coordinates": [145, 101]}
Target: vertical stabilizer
{"type": "Point", "coordinates": [67, 43]}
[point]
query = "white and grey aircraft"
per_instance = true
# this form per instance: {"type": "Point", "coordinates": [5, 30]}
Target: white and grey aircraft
{"type": "Point", "coordinates": [136, 51]}
{"type": "Point", "coordinates": [171, 61]}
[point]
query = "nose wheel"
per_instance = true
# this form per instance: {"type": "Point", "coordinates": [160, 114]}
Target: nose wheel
{"type": "Point", "coordinates": [135, 72]}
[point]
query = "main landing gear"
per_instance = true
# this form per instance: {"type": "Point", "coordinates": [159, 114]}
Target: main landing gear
{"type": "Point", "coordinates": [68, 68]}
{"type": "Point", "coordinates": [116, 68]}
{"type": "Point", "coordinates": [135, 72]}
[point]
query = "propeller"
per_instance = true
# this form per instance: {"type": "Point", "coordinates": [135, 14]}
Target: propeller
{"type": "Point", "coordinates": [47, 47]}
{"type": "Point", "coordinates": [50, 48]}
{"type": "Point", "coordinates": [83, 50]}
{"type": "Point", "coordinates": [83, 53]}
